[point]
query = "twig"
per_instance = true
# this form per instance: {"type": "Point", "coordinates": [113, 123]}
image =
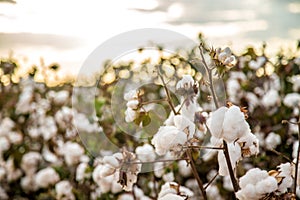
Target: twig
{"type": "Point", "coordinates": [280, 154]}
{"type": "Point", "coordinates": [212, 180]}
{"type": "Point", "coordinates": [297, 159]}
{"type": "Point", "coordinates": [167, 91]}
{"type": "Point", "coordinates": [156, 161]}
{"type": "Point", "coordinates": [204, 147]}
{"type": "Point", "coordinates": [209, 73]}
{"type": "Point", "coordinates": [195, 173]}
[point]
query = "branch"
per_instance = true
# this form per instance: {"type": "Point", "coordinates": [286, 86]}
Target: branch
{"type": "Point", "coordinates": [226, 151]}
{"type": "Point", "coordinates": [167, 91]}
{"type": "Point", "coordinates": [195, 173]}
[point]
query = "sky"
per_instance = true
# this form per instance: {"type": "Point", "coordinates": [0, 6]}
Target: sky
{"type": "Point", "coordinates": [67, 31]}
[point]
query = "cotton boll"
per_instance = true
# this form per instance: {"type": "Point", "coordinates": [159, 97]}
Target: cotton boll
{"type": "Point", "coordinates": [166, 138]}
{"type": "Point", "coordinates": [145, 153]}
{"type": "Point", "coordinates": [159, 169]}
{"type": "Point", "coordinates": [267, 185]}
{"type": "Point", "coordinates": [46, 177]}
{"type": "Point", "coordinates": [184, 124]}
{"type": "Point", "coordinates": [171, 188]}
{"type": "Point", "coordinates": [235, 156]}
{"type": "Point", "coordinates": [125, 197]}
{"type": "Point", "coordinates": [292, 100]}
{"type": "Point", "coordinates": [133, 104]}
{"type": "Point", "coordinates": [4, 144]}
{"type": "Point", "coordinates": [272, 140]}
{"type": "Point", "coordinates": [271, 98]}
{"type": "Point", "coordinates": [81, 173]}
{"type": "Point", "coordinates": [186, 82]}
{"type": "Point", "coordinates": [171, 197]}
{"type": "Point", "coordinates": [15, 138]}
{"type": "Point", "coordinates": [29, 162]}
{"type": "Point", "coordinates": [249, 144]}
{"type": "Point", "coordinates": [286, 172]}
{"type": "Point", "coordinates": [213, 193]}
{"type": "Point", "coordinates": [248, 193]}
{"type": "Point", "coordinates": [28, 183]}
{"type": "Point", "coordinates": [253, 176]}
{"type": "Point", "coordinates": [12, 173]}
{"type": "Point", "coordinates": [227, 184]}
{"type": "Point", "coordinates": [72, 153]}
{"type": "Point", "coordinates": [130, 95]}
{"type": "Point", "coordinates": [234, 124]}
{"type": "Point", "coordinates": [63, 190]}
{"type": "Point", "coordinates": [215, 122]}
{"type": "Point", "coordinates": [185, 170]}
{"type": "Point", "coordinates": [295, 149]}
{"type": "Point", "coordinates": [130, 115]}
{"type": "Point", "coordinates": [3, 194]}
{"type": "Point", "coordinates": [107, 170]}
{"type": "Point", "coordinates": [111, 160]}
{"type": "Point", "coordinates": [169, 177]}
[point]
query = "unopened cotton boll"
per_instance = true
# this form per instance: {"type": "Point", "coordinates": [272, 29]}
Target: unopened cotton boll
{"type": "Point", "coordinates": [46, 177]}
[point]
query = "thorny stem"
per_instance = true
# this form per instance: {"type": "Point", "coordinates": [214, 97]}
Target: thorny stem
{"type": "Point", "coordinates": [195, 173]}
{"type": "Point", "coordinates": [167, 91]}
{"type": "Point", "coordinates": [226, 151]}
{"type": "Point", "coordinates": [297, 159]}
